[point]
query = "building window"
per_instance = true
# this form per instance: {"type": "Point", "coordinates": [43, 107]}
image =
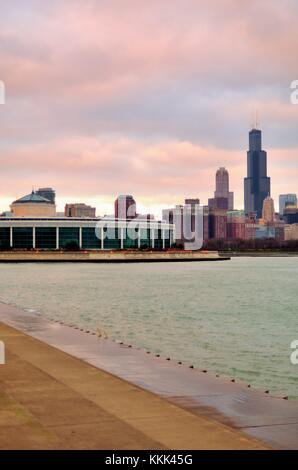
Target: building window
{"type": "Point", "coordinates": [4, 238]}
{"type": "Point", "coordinates": [130, 238]}
{"type": "Point", "coordinates": [158, 240]}
{"type": "Point", "coordinates": [145, 241]}
{"type": "Point", "coordinates": [90, 240]}
{"type": "Point", "coordinates": [112, 239]}
{"type": "Point", "coordinates": [69, 238]}
{"type": "Point", "coordinates": [45, 238]}
{"type": "Point", "coordinates": [22, 237]}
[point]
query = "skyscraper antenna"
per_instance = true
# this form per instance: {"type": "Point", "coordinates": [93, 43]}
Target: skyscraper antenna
{"type": "Point", "coordinates": [257, 124]}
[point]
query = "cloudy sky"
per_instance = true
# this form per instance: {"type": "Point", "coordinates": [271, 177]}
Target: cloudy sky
{"type": "Point", "coordinates": [145, 97]}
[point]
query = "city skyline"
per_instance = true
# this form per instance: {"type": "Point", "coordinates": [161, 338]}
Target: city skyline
{"type": "Point", "coordinates": [257, 186]}
{"type": "Point", "coordinates": [101, 104]}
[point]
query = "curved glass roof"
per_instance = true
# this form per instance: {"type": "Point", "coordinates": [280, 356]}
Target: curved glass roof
{"type": "Point", "coordinates": [32, 198]}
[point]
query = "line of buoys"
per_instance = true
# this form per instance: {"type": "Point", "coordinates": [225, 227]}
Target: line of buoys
{"type": "Point", "coordinates": [101, 333]}
{"type": "Point", "coordinates": [75, 327]}
{"type": "Point", "coordinates": [104, 336]}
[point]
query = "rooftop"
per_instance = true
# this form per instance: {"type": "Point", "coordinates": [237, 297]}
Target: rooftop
{"type": "Point", "coordinates": [32, 198]}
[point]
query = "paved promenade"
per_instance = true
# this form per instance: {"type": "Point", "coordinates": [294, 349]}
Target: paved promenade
{"type": "Point", "coordinates": [257, 414]}
{"type": "Point", "coordinates": [52, 400]}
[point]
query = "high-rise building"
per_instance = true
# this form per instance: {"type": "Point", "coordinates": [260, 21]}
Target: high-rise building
{"type": "Point", "coordinates": [47, 193]}
{"type": "Point", "coordinates": [218, 225]}
{"type": "Point", "coordinates": [125, 207]}
{"type": "Point", "coordinates": [236, 224]}
{"type": "Point", "coordinates": [257, 183]}
{"type": "Point", "coordinates": [291, 232]}
{"type": "Point", "coordinates": [189, 221]}
{"type": "Point", "coordinates": [286, 200]}
{"type": "Point", "coordinates": [79, 210]}
{"type": "Point", "coordinates": [290, 215]}
{"type": "Point", "coordinates": [268, 212]}
{"type": "Point", "coordinates": [218, 203]}
{"type": "Point", "coordinates": [223, 198]}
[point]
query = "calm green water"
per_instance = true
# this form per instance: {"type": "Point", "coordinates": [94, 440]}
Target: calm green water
{"type": "Point", "coordinates": [237, 318]}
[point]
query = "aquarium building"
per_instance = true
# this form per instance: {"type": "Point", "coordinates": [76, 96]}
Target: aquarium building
{"type": "Point", "coordinates": [62, 233]}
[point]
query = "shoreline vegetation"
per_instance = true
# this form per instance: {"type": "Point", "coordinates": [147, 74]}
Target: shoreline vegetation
{"type": "Point", "coordinates": [269, 245]}
{"type": "Point", "coordinates": [260, 253]}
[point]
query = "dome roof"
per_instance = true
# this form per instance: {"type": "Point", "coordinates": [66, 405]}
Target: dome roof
{"type": "Point", "coordinates": [32, 198]}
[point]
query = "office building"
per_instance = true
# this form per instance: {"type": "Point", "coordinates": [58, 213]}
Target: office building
{"type": "Point", "coordinates": [218, 224]}
{"type": "Point", "coordinates": [291, 232]}
{"type": "Point", "coordinates": [223, 197]}
{"type": "Point", "coordinates": [125, 207]}
{"type": "Point", "coordinates": [47, 193]}
{"type": "Point", "coordinates": [268, 212]}
{"type": "Point", "coordinates": [286, 200]}
{"type": "Point", "coordinates": [79, 210]}
{"type": "Point", "coordinates": [290, 215]}
{"type": "Point", "coordinates": [257, 183]}
{"type": "Point", "coordinates": [188, 221]}
{"type": "Point", "coordinates": [236, 225]}
{"type": "Point", "coordinates": [265, 232]}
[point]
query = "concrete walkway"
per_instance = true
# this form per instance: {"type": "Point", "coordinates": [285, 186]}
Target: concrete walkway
{"type": "Point", "coordinates": [52, 400]}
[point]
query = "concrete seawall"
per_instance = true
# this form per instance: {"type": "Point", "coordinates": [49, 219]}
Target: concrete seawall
{"type": "Point", "coordinates": [249, 414]}
{"type": "Point", "coordinates": [50, 399]}
{"type": "Point", "coordinates": [110, 256]}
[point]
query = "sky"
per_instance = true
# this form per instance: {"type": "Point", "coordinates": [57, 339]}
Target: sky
{"type": "Point", "coordinates": [149, 98]}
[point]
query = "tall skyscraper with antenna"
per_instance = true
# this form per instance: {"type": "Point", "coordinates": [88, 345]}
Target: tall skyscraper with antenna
{"type": "Point", "coordinates": [257, 183]}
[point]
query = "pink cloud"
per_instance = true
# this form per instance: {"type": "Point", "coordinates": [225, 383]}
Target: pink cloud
{"type": "Point", "coordinates": [145, 97]}
{"type": "Point", "coordinates": [161, 173]}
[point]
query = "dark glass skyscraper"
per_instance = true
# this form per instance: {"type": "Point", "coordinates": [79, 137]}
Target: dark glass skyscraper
{"type": "Point", "coordinates": [257, 183]}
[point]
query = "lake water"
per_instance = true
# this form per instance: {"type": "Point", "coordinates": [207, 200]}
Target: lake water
{"type": "Point", "coordinates": [237, 318]}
